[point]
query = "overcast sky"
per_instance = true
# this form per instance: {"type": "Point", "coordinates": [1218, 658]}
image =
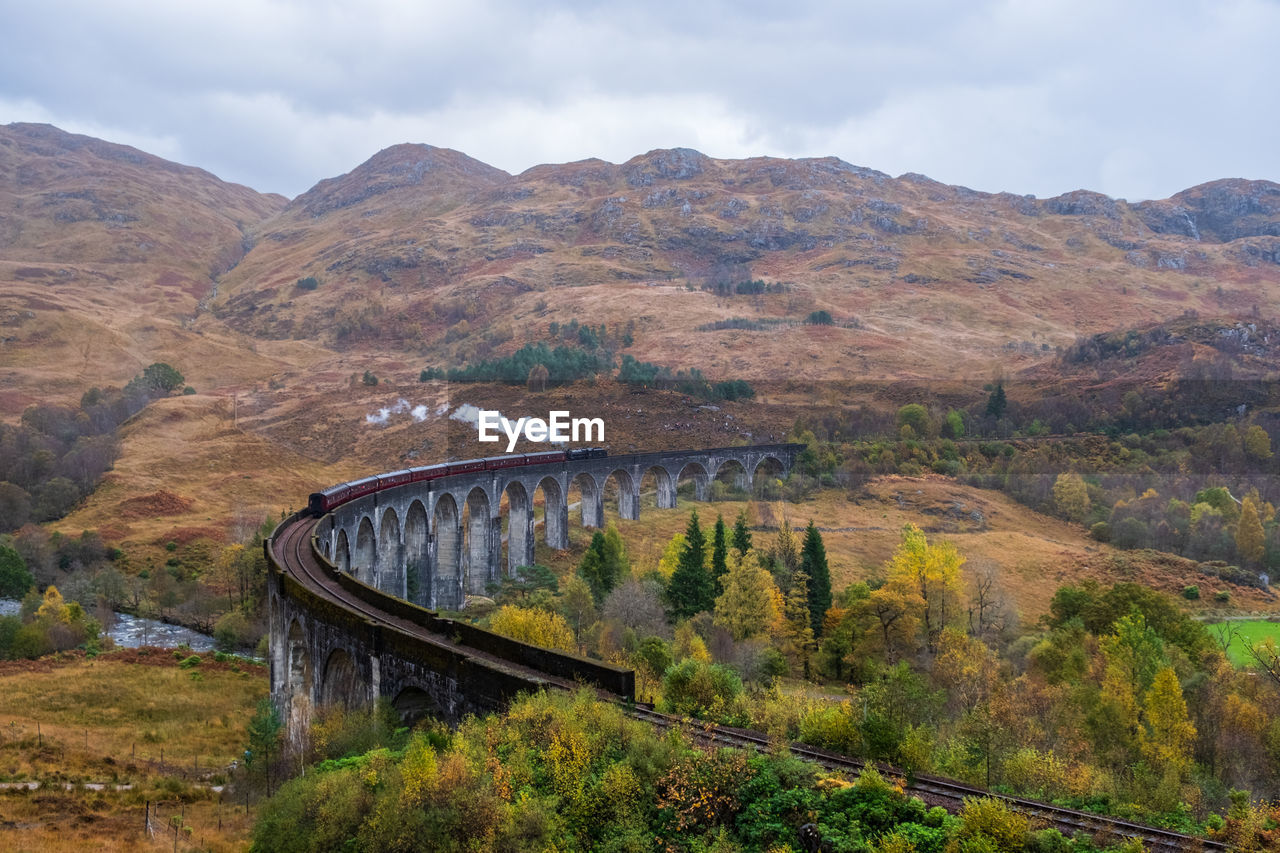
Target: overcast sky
{"type": "Point", "coordinates": [1134, 98]}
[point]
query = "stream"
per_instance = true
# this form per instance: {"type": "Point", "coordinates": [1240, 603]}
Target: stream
{"type": "Point", "coordinates": [133, 631]}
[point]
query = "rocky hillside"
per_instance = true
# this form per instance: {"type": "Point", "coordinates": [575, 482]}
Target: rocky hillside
{"type": "Point", "coordinates": [105, 253]}
{"type": "Point", "coordinates": [278, 311]}
{"type": "Point", "coordinates": [920, 278]}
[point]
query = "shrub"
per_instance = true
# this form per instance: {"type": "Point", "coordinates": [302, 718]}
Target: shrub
{"type": "Point", "coordinates": [232, 631]}
{"type": "Point", "coordinates": [308, 283]}
{"type": "Point", "coordinates": [831, 727]}
{"type": "Point", "coordinates": [1222, 596]}
{"type": "Point", "coordinates": [819, 318]}
{"type": "Point", "coordinates": [705, 690]}
{"type": "Point", "coordinates": [369, 378]}
{"type": "Point", "coordinates": [1191, 593]}
{"type": "Point", "coordinates": [991, 819]}
{"type": "Point", "coordinates": [15, 578]}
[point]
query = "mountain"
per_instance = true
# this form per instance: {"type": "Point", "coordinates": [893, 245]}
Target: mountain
{"type": "Point", "coordinates": [105, 253]}
{"type": "Point", "coordinates": [280, 313]}
{"type": "Point", "coordinates": [922, 279]}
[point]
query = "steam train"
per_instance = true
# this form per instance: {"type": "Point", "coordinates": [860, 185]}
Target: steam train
{"type": "Point", "coordinates": [319, 503]}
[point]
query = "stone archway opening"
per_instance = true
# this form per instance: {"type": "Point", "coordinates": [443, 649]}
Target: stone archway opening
{"type": "Point", "coordinates": [364, 562]}
{"type": "Point", "coordinates": [584, 501]}
{"type": "Point", "coordinates": [477, 548]}
{"type": "Point", "coordinates": [692, 483]}
{"type": "Point", "coordinates": [342, 685]}
{"type": "Point", "coordinates": [342, 553]}
{"type": "Point", "coordinates": [446, 587]}
{"type": "Point", "coordinates": [517, 521]}
{"type": "Point", "coordinates": [299, 684]}
{"type": "Point", "coordinates": [551, 511]}
{"type": "Point", "coordinates": [731, 482]}
{"type": "Point", "coordinates": [657, 489]}
{"type": "Point", "coordinates": [767, 478]}
{"type": "Point", "coordinates": [416, 542]}
{"type": "Point", "coordinates": [618, 496]}
{"type": "Point", "coordinates": [390, 576]}
{"type": "Point", "coordinates": [413, 704]}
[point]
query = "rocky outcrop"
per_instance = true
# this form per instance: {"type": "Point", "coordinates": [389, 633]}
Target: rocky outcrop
{"type": "Point", "coordinates": [422, 169]}
{"type": "Point", "coordinates": [1231, 209]}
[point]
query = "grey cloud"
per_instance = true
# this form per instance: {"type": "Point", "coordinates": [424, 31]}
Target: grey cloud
{"type": "Point", "coordinates": [1137, 99]}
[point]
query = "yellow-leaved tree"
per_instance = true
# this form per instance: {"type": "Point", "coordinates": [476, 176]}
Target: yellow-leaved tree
{"type": "Point", "coordinates": [1167, 734]}
{"type": "Point", "coordinates": [751, 604]}
{"type": "Point", "coordinates": [532, 625]}
{"type": "Point", "coordinates": [1071, 496]}
{"type": "Point", "coordinates": [1251, 541]}
{"type": "Point", "coordinates": [671, 556]}
{"type": "Point", "coordinates": [931, 572]}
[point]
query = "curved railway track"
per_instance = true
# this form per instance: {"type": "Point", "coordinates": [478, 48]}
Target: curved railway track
{"type": "Point", "coordinates": [293, 548]}
{"type": "Point", "coordinates": [295, 553]}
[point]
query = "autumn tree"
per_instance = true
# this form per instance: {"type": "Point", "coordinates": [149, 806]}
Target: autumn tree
{"type": "Point", "coordinates": [691, 589]}
{"type": "Point", "coordinates": [813, 562]}
{"type": "Point", "coordinates": [1257, 443]}
{"type": "Point", "coordinates": [751, 604]}
{"type": "Point", "coordinates": [930, 572]}
{"type": "Point", "coordinates": [1250, 538]}
{"type": "Point", "coordinates": [534, 625]}
{"type": "Point", "coordinates": [784, 548]}
{"type": "Point", "coordinates": [578, 606]}
{"type": "Point", "coordinates": [1167, 735]}
{"type": "Point", "coordinates": [671, 556]}
{"type": "Point", "coordinates": [1071, 496]}
{"type": "Point", "coordinates": [896, 613]}
{"type": "Point", "coordinates": [537, 378]}
{"type": "Point", "coordinates": [798, 640]}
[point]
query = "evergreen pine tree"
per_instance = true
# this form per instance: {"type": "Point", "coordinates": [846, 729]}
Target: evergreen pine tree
{"type": "Point", "coordinates": [813, 563]}
{"type": "Point", "coordinates": [719, 551]}
{"type": "Point", "coordinates": [615, 556]}
{"type": "Point", "coordinates": [742, 533]}
{"type": "Point", "coordinates": [596, 568]}
{"type": "Point", "coordinates": [996, 402]}
{"type": "Point", "coordinates": [691, 589]}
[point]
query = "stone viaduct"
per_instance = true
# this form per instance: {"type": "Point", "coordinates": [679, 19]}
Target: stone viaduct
{"type": "Point", "coordinates": [435, 543]}
{"type": "Point", "coordinates": [349, 592]}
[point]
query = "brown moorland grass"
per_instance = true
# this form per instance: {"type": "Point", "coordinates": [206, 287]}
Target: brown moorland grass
{"type": "Point", "coordinates": [72, 721]}
{"type": "Point", "coordinates": [1031, 554]}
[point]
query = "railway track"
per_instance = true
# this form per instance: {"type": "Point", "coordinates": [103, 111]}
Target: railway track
{"type": "Point", "coordinates": [294, 551]}
{"type": "Point", "coordinates": [292, 546]}
{"type": "Point", "coordinates": [1068, 821]}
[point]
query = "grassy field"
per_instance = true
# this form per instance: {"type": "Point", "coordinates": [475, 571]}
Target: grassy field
{"type": "Point", "coordinates": [132, 718]}
{"type": "Point", "coordinates": [1251, 631]}
{"type": "Point", "coordinates": [1030, 554]}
